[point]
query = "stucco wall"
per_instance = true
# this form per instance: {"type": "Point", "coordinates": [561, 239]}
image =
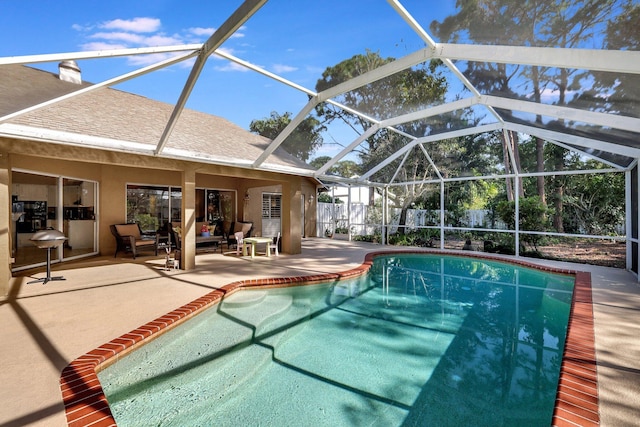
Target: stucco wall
{"type": "Point", "coordinates": [114, 170]}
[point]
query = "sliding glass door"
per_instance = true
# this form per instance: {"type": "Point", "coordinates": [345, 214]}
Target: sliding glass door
{"type": "Point", "coordinates": [54, 202]}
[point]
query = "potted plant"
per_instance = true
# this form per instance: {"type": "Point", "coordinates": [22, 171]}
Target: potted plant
{"type": "Point", "coordinates": [204, 231]}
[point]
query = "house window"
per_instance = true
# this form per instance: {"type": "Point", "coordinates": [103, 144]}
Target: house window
{"type": "Point", "coordinates": [153, 206]}
{"type": "Point", "coordinates": [214, 205]}
{"type": "Point", "coordinates": [271, 206]}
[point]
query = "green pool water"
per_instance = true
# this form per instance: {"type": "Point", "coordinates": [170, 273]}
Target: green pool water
{"type": "Point", "coordinates": [422, 340]}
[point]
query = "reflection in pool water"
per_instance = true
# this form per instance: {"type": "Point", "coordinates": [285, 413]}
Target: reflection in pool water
{"type": "Point", "coordinates": [420, 340]}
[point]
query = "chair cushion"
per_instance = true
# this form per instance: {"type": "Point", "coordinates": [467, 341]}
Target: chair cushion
{"type": "Point", "coordinates": [128, 230]}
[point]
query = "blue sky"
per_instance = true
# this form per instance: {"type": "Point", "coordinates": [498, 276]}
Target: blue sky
{"type": "Point", "coordinates": [296, 40]}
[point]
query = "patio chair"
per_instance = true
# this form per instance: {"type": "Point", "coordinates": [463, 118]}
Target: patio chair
{"type": "Point", "coordinates": [235, 227]}
{"type": "Point", "coordinates": [276, 243]}
{"type": "Point", "coordinates": [239, 238]}
{"type": "Point", "coordinates": [129, 238]}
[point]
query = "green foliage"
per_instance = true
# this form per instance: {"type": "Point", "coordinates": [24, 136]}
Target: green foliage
{"type": "Point", "coordinates": [502, 243]}
{"type": "Point", "coordinates": [533, 216]}
{"type": "Point", "coordinates": [147, 222]}
{"type": "Point", "coordinates": [325, 197]}
{"type": "Point", "coordinates": [423, 237]}
{"type": "Point", "coordinates": [415, 88]}
{"type": "Point", "coordinates": [594, 203]}
{"type": "Point", "coordinates": [371, 238]}
{"type": "Point", "coordinates": [345, 168]}
{"type": "Point", "coordinates": [301, 143]}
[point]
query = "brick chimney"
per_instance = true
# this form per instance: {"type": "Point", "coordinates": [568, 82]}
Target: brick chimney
{"type": "Point", "coordinates": [69, 72]}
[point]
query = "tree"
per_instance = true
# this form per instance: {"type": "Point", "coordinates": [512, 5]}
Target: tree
{"type": "Point", "coordinates": [595, 203]}
{"type": "Point", "coordinates": [532, 217]}
{"type": "Point", "coordinates": [346, 168]}
{"type": "Point", "coordinates": [617, 91]}
{"type": "Point", "coordinates": [560, 23]}
{"type": "Point", "coordinates": [404, 91]}
{"type": "Point", "coordinates": [301, 143]}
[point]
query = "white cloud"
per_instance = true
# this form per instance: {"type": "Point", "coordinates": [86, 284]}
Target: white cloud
{"type": "Point", "coordinates": [79, 27]}
{"type": "Point", "coordinates": [160, 40]}
{"type": "Point", "coordinates": [145, 32]}
{"type": "Point", "coordinates": [207, 32]}
{"type": "Point", "coordinates": [144, 60]}
{"type": "Point", "coordinates": [226, 50]}
{"type": "Point", "coordinates": [200, 31]}
{"type": "Point", "coordinates": [125, 37]}
{"type": "Point", "coordinates": [280, 68]}
{"type": "Point", "coordinates": [137, 25]}
{"type": "Point", "coordinates": [230, 66]}
{"type": "Point", "coordinates": [102, 46]}
{"type": "Point", "coordinates": [239, 33]}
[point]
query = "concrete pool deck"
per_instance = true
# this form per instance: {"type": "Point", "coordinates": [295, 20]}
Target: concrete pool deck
{"type": "Point", "coordinates": [45, 327]}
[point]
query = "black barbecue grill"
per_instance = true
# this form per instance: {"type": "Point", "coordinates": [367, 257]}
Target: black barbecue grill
{"type": "Point", "coordinates": [48, 239]}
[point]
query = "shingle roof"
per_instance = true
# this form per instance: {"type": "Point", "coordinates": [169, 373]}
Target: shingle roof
{"type": "Point", "coordinates": [121, 116]}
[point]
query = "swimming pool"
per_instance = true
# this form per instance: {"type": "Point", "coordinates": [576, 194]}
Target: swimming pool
{"type": "Point", "coordinates": [420, 340]}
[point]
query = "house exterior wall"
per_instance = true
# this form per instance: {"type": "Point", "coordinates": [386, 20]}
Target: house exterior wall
{"type": "Point", "coordinates": [114, 170]}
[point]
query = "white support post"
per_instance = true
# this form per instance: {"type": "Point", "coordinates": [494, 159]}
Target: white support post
{"type": "Point", "coordinates": [517, 215]}
{"type": "Point", "coordinates": [441, 214]}
{"type": "Point", "coordinates": [349, 213]}
{"type": "Point", "coordinates": [333, 211]}
{"type": "Point", "coordinates": [383, 230]}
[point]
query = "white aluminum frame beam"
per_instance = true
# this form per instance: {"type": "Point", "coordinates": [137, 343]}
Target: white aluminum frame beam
{"type": "Point", "coordinates": [325, 96]}
{"type": "Point", "coordinates": [106, 83]}
{"type": "Point", "coordinates": [366, 134]}
{"type": "Point", "coordinates": [95, 54]}
{"type": "Point", "coordinates": [586, 154]}
{"type": "Point", "coordinates": [404, 159]}
{"type": "Point", "coordinates": [432, 138]}
{"type": "Point", "coordinates": [430, 112]}
{"type": "Point", "coordinates": [566, 113]}
{"type": "Point", "coordinates": [226, 30]}
{"type": "Point", "coordinates": [417, 28]}
{"type": "Point", "coordinates": [286, 131]}
{"type": "Point", "coordinates": [596, 144]}
{"type": "Point", "coordinates": [506, 175]}
{"type": "Point", "coordinates": [431, 162]}
{"type": "Point", "coordinates": [379, 73]}
{"type": "Point", "coordinates": [615, 61]}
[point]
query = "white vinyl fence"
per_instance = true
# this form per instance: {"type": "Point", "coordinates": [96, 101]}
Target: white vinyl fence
{"type": "Point", "coordinates": [366, 220]}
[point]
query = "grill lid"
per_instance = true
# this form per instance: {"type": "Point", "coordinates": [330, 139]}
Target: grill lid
{"type": "Point", "coordinates": [48, 238]}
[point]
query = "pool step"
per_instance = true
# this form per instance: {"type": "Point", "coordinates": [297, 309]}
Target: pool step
{"type": "Point", "coordinates": [244, 299]}
{"type": "Point", "coordinates": [264, 309]}
{"type": "Point", "coordinates": [265, 313]}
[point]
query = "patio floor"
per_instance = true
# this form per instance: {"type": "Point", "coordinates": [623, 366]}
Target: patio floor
{"type": "Point", "coordinates": [44, 327]}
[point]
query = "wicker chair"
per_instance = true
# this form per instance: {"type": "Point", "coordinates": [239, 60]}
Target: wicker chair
{"type": "Point", "coordinates": [129, 238]}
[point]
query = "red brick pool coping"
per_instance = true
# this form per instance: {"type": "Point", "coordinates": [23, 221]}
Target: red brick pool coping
{"type": "Point", "coordinates": [576, 398]}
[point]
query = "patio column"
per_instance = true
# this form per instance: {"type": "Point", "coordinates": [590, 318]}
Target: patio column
{"type": "Point", "coordinates": [5, 218]}
{"type": "Point", "coordinates": [188, 219]}
{"type": "Point", "coordinates": [291, 217]}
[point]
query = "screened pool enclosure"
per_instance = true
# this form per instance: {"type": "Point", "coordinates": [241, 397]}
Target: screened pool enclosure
{"type": "Point", "coordinates": [514, 120]}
